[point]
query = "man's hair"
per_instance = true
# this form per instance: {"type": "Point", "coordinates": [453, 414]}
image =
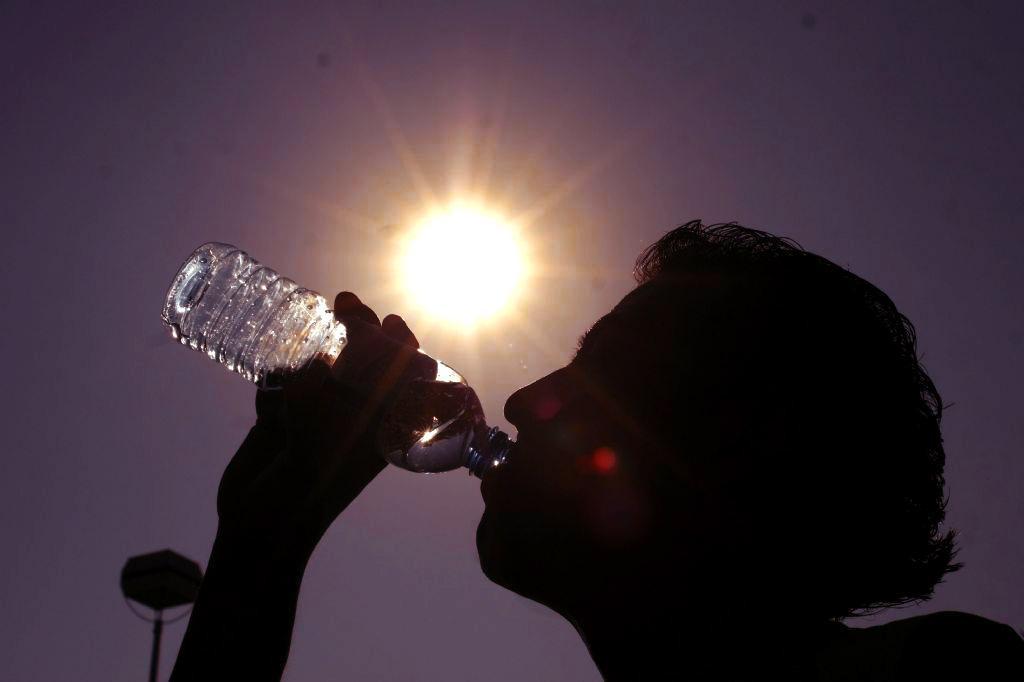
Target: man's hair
{"type": "Point", "coordinates": [863, 458]}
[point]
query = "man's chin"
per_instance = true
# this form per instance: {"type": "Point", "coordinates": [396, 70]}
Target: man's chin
{"type": "Point", "coordinates": [488, 550]}
{"type": "Point", "coordinates": [497, 560]}
{"type": "Point", "coordinates": [502, 564]}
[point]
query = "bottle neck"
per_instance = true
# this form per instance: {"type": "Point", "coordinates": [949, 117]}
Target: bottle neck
{"type": "Point", "coordinates": [493, 451]}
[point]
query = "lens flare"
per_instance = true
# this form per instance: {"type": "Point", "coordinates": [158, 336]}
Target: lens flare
{"type": "Point", "coordinates": [463, 265]}
{"type": "Point", "coordinates": [603, 460]}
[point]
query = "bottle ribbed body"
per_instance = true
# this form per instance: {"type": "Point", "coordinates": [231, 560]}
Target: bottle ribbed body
{"type": "Point", "coordinates": [253, 321]}
{"type": "Point", "coordinates": [248, 317]}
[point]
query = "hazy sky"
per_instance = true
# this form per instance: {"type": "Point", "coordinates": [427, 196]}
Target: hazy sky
{"type": "Point", "coordinates": [885, 137]}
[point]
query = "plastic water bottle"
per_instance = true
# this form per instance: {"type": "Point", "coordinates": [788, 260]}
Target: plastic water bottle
{"type": "Point", "coordinates": [255, 322]}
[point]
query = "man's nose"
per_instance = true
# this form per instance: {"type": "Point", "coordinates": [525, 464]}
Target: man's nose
{"type": "Point", "coordinates": [537, 402]}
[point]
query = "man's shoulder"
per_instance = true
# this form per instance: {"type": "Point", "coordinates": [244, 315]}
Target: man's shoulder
{"type": "Point", "coordinates": [959, 645]}
{"type": "Point", "coordinates": [945, 645]}
{"type": "Point", "coordinates": [951, 645]}
{"type": "Point", "coordinates": [940, 623]}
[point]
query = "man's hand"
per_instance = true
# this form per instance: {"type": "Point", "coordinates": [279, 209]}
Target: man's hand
{"type": "Point", "coordinates": [310, 453]}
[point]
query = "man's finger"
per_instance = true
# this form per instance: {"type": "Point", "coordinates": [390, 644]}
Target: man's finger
{"type": "Point", "coordinates": [347, 304]}
{"type": "Point", "coordinates": [396, 328]}
{"type": "Point", "coordinates": [308, 383]}
{"type": "Point", "coordinates": [270, 400]}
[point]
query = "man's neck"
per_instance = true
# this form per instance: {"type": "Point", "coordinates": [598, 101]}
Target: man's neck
{"type": "Point", "coordinates": [635, 643]}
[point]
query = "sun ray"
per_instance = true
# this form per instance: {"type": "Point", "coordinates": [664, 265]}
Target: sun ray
{"type": "Point", "coordinates": [308, 201]}
{"type": "Point", "coordinates": [399, 143]}
{"type": "Point", "coordinates": [553, 355]}
{"type": "Point", "coordinates": [577, 180]}
{"type": "Point", "coordinates": [488, 148]}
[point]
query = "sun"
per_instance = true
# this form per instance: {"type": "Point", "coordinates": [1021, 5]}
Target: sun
{"type": "Point", "coordinates": [463, 265]}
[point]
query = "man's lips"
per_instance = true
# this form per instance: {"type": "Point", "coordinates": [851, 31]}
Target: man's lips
{"type": "Point", "coordinates": [490, 485]}
{"type": "Point", "coordinates": [490, 489]}
{"type": "Point", "coordinates": [487, 484]}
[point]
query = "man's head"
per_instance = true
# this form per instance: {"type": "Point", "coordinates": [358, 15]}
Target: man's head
{"type": "Point", "coordinates": [751, 421]}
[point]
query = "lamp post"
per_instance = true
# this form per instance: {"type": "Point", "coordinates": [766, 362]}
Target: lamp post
{"type": "Point", "coordinates": [160, 580]}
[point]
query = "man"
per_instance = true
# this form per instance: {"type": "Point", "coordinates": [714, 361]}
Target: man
{"type": "Point", "coordinates": [743, 452]}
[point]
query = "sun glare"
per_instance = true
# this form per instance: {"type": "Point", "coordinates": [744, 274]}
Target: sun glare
{"type": "Point", "coordinates": [463, 265]}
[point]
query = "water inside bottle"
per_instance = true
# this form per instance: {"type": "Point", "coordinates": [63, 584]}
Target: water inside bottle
{"type": "Point", "coordinates": [430, 426]}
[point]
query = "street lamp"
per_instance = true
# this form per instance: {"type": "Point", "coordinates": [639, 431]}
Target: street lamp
{"type": "Point", "coordinates": [160, 580]}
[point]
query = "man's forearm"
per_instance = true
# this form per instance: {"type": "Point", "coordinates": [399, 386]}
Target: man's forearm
{"type": "Point", "coordinates": [241, 625]}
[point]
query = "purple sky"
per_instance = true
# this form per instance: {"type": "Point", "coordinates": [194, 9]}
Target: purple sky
{"type": "Point", "coordinates": [884, 137]}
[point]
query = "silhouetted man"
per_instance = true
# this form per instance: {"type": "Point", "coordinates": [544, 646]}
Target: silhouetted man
{"type": "Point", "coordinates": [744, 452]}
